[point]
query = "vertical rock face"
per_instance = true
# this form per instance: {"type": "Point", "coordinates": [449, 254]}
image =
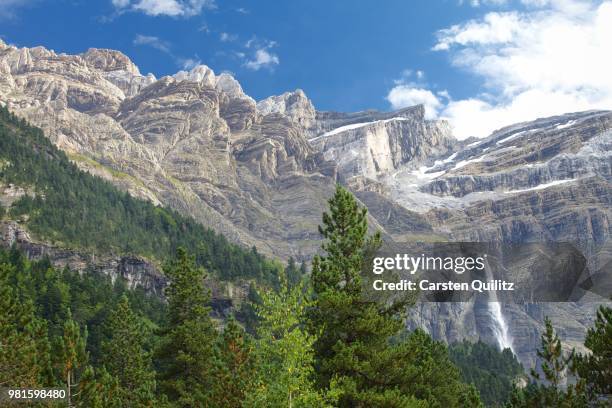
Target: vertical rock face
{"type": "Point", "coordinates": [236, 108]}
{"type": "Point", "coordinates": [380, 146]}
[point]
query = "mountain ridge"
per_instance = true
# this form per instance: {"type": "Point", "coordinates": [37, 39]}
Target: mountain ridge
{"type": "Point", "coordinates": [261, 172]}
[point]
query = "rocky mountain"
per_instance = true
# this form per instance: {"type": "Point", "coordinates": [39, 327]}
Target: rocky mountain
{"type": "Point", "coordinates": [260, 172]}
{"type": "Point", "coordinates": [382, 143]}
{"type": "Point", "coordinates": [193, 141]}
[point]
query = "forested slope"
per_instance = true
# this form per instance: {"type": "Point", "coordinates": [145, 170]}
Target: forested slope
{"type": "Point", "coordinates": [68, 207]}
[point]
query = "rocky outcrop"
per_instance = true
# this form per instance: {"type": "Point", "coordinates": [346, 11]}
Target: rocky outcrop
{"type": "Point", "coordinates": [138, 272]}
{"type": "Point", "coordinates": [294, 105]}
{"type": "Point", "coordinates": [376, 148]}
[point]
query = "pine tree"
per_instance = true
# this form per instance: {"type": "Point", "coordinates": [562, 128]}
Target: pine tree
{"type": "Point", "coordinates": [185, 356]}
{"type": "Point", "coordinates": [285, 355]}
{"type": "Point", "coordinates": [595, 369]}
{"type": "Point", "coordinates": [292, 272]}
{"type": "Point", "coordinates": [24, 347]}
{"type": "Point", "coordinates": [355, 347]}
{"type": "Point", "coordinates": [554, 363]}
{"type": "Point", "coordinates": [235, 372]}
{"type": "Point", "coordinates": [547, 390]}
{"type": "Point", "coordinates": [125, 358]}
{"type": "Point", "coordinates": [71, 356]}
{"type": "Point", "coordinates": [98, 389]}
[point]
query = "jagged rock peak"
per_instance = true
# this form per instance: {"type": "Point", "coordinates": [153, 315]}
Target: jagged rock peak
{"type": "Point", "coordinates": [224, 82]}
{"type": "Point", "coordinates": [230, 86]}
{"type": "Point", "coordinates": [285, 103]}
{"type": "Point", "coordinates": [109, 60]}
{"type": "Point", "coordinates": [295, 105]}
{"type": "Point", "coordinates": [199, 73]}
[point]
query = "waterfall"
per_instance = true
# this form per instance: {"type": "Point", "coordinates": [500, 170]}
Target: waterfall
{"type": "Point", "coordinates": [500, 328]}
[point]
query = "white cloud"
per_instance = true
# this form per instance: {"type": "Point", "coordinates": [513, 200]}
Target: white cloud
{"type": "Point", "coordinates": [152, 41]}
{"type": "Point", "coordinates": [257, 54]}
{"type": "Point", "coordinates": [186, 63]}
{"type": "Point", "coordinates": [405, 95]}
{"type": "Point", "coordinates": [495, 28]}
{"type": "Point", "coordinates": [262, 59]}
{"type": "Point", "coordinates": [553, 58]}
{"type": "Point", "coordinates": [172, 8]}
{"type": "Point", "coordinates": [189, 63]}
{"type": "Point", "coordinates": [478, 3]}
{"type": "Point", "coordinates": [227, 37]}
{"type": "Point", "coordinates": [8, 8]}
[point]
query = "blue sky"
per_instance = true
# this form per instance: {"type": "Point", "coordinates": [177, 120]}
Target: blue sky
{"type": "Point", "coordinates": [456, 57]}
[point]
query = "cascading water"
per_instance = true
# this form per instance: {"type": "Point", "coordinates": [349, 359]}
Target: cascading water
{"type": "Point", "coordinates": [500, 328]}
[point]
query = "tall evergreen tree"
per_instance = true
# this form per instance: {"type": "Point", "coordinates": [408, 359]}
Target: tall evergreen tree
{"type": "Point", "coordinates": [235, 371]}
{"type": "Point", "coordinates": [185, 357]}
{"type": "Point", "coordinates": [355, 347]}
{"type": "Point", "coordinates": [71, 356]}
{"type": "Point", "coordinates": [554, 363]}
{"type": "Point", "coordinates": [547, 390]}
{"type": "Point", "coordinates": [24, 347]}
{"type": "Point", "coordinates": [292, 272]}
{"type": "Point", "coordinates": [595, 369]}
{"type": "Point", "coordinates": [125, 358]}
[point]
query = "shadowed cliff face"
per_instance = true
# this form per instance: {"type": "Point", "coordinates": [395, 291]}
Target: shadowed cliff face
{"type": "Point", "coordinates": [261, 172]}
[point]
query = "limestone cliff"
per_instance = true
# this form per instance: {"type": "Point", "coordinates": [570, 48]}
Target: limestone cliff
{"type": "Point", "coordinates": [261, 172]}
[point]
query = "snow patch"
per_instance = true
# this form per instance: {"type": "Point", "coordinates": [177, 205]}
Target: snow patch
{"type": "Point", "coordinates": [354, 126]}
{"type": "Point", "coordinates": [512, 136]}
{"type": "Point", "coordinates": [464, 163]}
{"type": "Point", "coordinates": [566, 124]}
{"type": "Point", "coordinates": [541, 186]}
{"type": "Point", "coordinates": [422, 174]}
{"type": "Point", "coordinates": [447, 160]}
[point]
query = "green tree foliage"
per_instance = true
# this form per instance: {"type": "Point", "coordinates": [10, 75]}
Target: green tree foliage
{"type": "Point", "coordinates": [125, 357]}
{"type": "Point", "coordinates": [492, 372]}
{"type": "Point", "coordinates": [70, 355]}
{"type": "Point", "coordinates": [186, 354]}
{"type": "Point", "coordinates": [554, 363]}
{"type": "Point", "coordinates": [74, 208]}
{"type": "Point", "coordinates": [35, 311]}
{"type": "Point", "coordinates": [24, 349]}
{"type": "Point", "coordinates": [595, 369]}
{"type": "Point", "coordinates": [99, 389]}
{"type": "Point", "coordinates": [248, 310]}
{"type": "Point", "coordinates": [546, 389]}
{"type": "Point", "coordinates": [285, 354]}
{"type": "Point", "coordinates": [292, 272]}
{"type": "Point", "coordinates": [357, 347]}
{"type": "Point", "coordinates": [235, 371]}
